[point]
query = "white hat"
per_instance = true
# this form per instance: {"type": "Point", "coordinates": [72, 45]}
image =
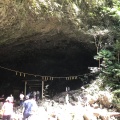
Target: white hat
{"type": "Point", "coordinates": [9, 99]}
{"type": "Point", "coordinates": [27, 97]}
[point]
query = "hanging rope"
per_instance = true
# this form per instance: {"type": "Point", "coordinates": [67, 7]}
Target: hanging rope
{"type": "Point", "coordinates": [43, 77]}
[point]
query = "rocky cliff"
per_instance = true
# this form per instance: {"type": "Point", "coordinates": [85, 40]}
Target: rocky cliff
{"type": "Point", "coordinates": [55, 37]}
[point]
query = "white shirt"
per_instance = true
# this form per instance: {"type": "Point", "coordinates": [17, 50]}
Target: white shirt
{"type": "Point", "coordinates": [7, 108]}
{"type": "Point", "coordinates": [21, 96]}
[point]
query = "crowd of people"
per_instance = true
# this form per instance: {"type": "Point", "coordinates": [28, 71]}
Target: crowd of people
{"type": "Point", "coordinates": [28, 104]}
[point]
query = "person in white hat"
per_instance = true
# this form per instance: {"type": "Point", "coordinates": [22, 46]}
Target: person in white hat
{"type": "Point", "coordinates": [7, 109]}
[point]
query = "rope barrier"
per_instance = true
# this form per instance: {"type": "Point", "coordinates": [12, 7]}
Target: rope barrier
{"type": "Point", "coordinates": [43, 77]}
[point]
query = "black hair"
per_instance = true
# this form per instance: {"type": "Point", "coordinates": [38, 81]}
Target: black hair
{"type": "Point", "coordinates": [31, 96]}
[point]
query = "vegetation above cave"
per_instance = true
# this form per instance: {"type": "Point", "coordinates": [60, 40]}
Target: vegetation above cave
{"type": "Point", "coordinates": [79, 19]}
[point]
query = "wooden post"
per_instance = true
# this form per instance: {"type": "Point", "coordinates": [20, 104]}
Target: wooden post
{"type": "Point", "coordinates": [42, 89]}
{"type": "Point", "coordinates": [25, 88]}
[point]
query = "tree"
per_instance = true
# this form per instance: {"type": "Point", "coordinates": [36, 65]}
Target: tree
{"type": "Point", "coordinates": [110, 68]}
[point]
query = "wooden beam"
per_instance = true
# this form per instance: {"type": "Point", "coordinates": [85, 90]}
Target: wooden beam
{"type": "Point", "coordinates": [25, 88]}
{"type": "Point", "coordinates": [42, 89]}
{"type": "Point", "coordinates": [31, 80]}
{"type": "Point", "coordinates": [34, 84]}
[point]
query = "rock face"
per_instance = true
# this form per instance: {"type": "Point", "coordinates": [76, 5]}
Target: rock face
{"type": "Point", "coordinates": [53, 32]}
{"type": "Point", "coordinates": [49, 37]}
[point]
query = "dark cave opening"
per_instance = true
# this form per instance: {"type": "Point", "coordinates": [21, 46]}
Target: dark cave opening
{"type": "Point", "coordinates": [72, 60]}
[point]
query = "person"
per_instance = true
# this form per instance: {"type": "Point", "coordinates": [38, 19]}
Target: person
{"type": "Point", "coordinates": [7, 109]}
{"type": "Point", "coordinates": [34, 93]}
{"type": "Point", "coordinates": [21, 98]}
{"type": "Point", "coordinates": [26, 97]}
{"type": "Point", "coordinates": [2, 98]}
{"type": "Point", "coordinates": [67, 98]}
{"type": "Point", "coordinates": [37, 95]}
{"type": "Point", "coordinates": [29, 108]}
{"type": "Point", "coordinates": [12, 98]}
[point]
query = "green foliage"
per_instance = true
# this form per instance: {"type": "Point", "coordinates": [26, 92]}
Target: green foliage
{"type": "Point", "coordinates": [117, 93]}
{"type": "Point", "coordinates": [116, 99]}
{"type": "Point", "coordinates": [112, 12]}
{"type": "Point", "coordinates": [110, 72]}
{"type": "Point", "coordinates": [105, 55]}
{"type": "Point", "coordinates": [117, 46]}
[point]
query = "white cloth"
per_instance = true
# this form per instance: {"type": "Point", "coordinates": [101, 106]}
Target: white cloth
{"type": "Point", "coordinates": [7, 108]}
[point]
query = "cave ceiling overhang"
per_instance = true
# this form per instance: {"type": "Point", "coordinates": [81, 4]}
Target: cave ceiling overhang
{"type": "Point", "coordinates": [24, 31]}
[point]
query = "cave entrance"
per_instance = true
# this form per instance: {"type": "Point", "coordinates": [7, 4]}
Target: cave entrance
{"type": "Point", "coordinates": [33, 86]}
{"type": "Point", "coordinates": [49, 86]}
{"type": "Point", "coordinates": [61, 61]}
